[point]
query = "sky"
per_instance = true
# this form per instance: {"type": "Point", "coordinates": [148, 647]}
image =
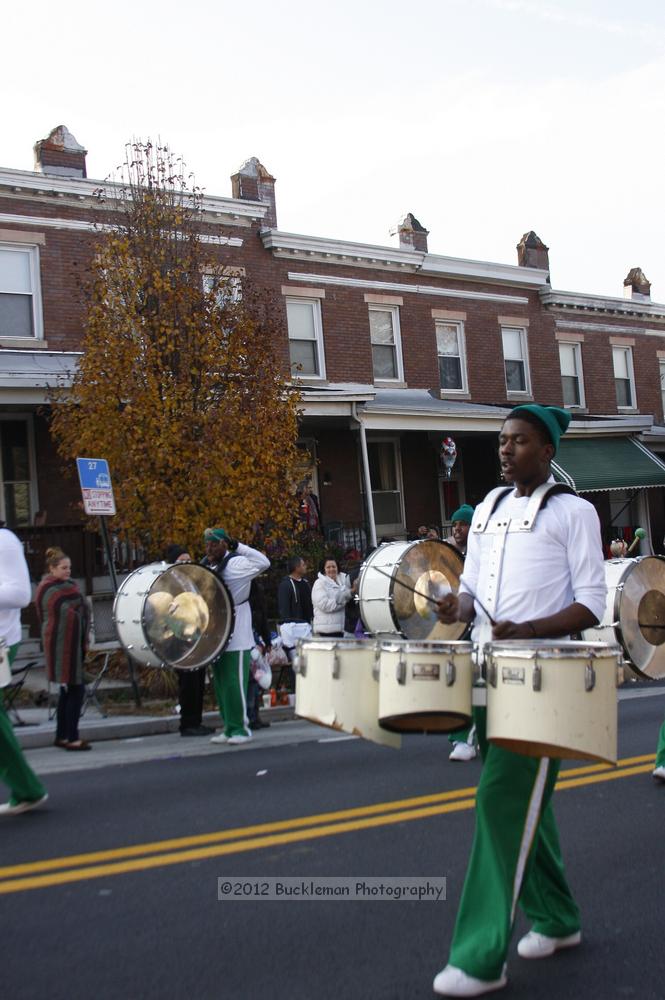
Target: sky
{"type": "Point", "coordinates": [485, 118]}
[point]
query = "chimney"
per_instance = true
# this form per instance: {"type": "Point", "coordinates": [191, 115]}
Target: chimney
{"type": "Point", "coordinates": [636, 286]}
{"type": "Point", "coordinates": [60, 154]}
{"type": "Point", "coordinates": [532, 252]}
{"type": "Point", "coordinates": [254, 183]}
{"type": "Point", "coordinates": [412, 236]}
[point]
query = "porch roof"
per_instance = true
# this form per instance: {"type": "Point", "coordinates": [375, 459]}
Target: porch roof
{"type": "Point", "coordinates": [590, 465]}
{"type": "Point", "coordinates": [27, 376]}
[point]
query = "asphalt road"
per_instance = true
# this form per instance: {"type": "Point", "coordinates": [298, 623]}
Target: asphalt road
{"type": "Point", "coordinates": [141, 919]}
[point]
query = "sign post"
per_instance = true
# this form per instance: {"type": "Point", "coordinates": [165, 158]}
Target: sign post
{"type": "Point", "coordinates": [97, 491]}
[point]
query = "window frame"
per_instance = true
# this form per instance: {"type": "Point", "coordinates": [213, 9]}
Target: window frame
{"type": "Point", "coordinates": [461, 343]}
{"type": "Point", "coordinates": [32, 250]}
{"type": "Point", "coordinates": [382, 528]}
{"type": "Point", "coordinates": [527, 392]}
{"type": "Point", "coordinates": [628, 351]}
{"type": "Point", "coordinates": [315, 303]}
{"type": "Point", "coordinates": [33, 491]}
{"type": "Point", "coordinates": [661, 370]}
{"type": "Point", "coordinates": [397, 342]}
{"type": "Point", "coordinates": [577, 353]}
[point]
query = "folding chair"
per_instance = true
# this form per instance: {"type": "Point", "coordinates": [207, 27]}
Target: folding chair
{"type": "Point", "coordinates": [11, 692]}
{"type": "Point", "coordinates": [103, 642]}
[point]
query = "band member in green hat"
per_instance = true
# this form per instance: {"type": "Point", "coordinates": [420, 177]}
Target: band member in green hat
{"type": "Point", "coordinates": [545, 581]}
{"type": "Point", "coordinates": [236, 565]}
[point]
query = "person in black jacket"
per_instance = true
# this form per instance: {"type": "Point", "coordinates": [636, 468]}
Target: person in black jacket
{"type": "Point", "coordinates": [294, 609]}
{"type": "Point", "coordinates": [261, 629]}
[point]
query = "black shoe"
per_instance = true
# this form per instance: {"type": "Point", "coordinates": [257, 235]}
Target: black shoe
{"type": "Point", "coordinates": [259, 724]}
{"type": "Point", "coordinates": [197, 731]}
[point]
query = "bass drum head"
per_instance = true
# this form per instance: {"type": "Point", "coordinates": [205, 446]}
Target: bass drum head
{"type": "Point", "coordinates": [431, 567]}
{"type": "Point", "coordinates": [186, 616]}
{"type": "Point", "coordinates": [640, 613]}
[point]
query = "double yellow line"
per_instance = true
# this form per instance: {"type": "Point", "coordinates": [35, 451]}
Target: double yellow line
{"type": "Point", "coordinates": [179, 850]}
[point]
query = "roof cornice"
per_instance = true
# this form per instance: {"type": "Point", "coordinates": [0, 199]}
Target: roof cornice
{"type": "Point", "coordinates": [84, 189]}
{"type": "Point", "coordinates": [552, 299]}
{"type": "Point", "coordinates": [295, 246]}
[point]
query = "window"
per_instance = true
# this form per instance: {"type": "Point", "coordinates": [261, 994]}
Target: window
{"type": "Point", "coordinates": [305, 337]}
{"type": "Point", "coordinates": [384, 470]}
{"type": "Point", "coordinates": [229, 289]}
{"type": "Point", "coordinates": [452, 362]}
{"type": "Point", "coordinates": [15, 477]}
{"type": "Point", "coordinates": [515, 360]}
{"type": "Point", "coordinates": [570, 360]}
{"type": "Point", "coordinates": [20, 303]}
{"type": "Point", "coordinates": [662, 384]}
{"type": "Point", "coordinates": [622, 359]}
{"type": "Point", "coordinates": [385, 337]}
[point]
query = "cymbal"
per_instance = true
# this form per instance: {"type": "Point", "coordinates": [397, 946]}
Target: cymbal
{"type": "Point", "coordinates": [434, 568]}
{"type": "Point", "coordinates": [640, 615]}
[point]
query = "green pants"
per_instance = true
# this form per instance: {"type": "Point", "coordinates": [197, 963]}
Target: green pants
{"type": "Point", "coordinates": [515, 857]}
{"type": "Point", "coordinates": [15, 771]}
{"type": "Point", "coordinates": [660, 751]}
{"type": "Point", "coordinates": [467, 735]}
{"type": "Point", "coordinates": [230, 674]}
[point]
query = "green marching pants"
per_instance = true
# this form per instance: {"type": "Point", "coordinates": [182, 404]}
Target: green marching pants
{"type": "Point", "coordinates": [660, 751]}
{"type": "Point", "coordinates": [230, 674]}
{"type": "Point", "coordinates": [15, 771]}
{"type": "Point", "coordinates": [515, 857]}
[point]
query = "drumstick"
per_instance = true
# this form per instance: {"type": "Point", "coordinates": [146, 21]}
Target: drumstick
{"type": "Point", "coordinates": [433, 600]}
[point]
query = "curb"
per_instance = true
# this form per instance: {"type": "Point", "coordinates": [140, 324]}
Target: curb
{"type": "Point", "coordinates": [31, 737]}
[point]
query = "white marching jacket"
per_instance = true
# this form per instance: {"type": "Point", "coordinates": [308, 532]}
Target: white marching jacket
{"type": "Point", "coordinates": [329, 598]}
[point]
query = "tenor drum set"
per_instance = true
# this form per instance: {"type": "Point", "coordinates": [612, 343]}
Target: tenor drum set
{"type": "Point", "coordinates": [415, 675]}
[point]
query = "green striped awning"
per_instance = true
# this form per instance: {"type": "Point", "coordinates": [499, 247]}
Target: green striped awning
{"type": "Point", "coordinates": [589, 464]}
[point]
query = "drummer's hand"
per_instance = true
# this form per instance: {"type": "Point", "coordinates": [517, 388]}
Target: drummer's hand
{"type": "Point", "coordinates": [511, 630]}
{"type": "Point", "coordinates": [448, 609]}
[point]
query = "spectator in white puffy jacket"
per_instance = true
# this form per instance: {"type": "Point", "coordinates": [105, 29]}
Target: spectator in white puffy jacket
{"type": "Point", "coordinates": [330, 594]}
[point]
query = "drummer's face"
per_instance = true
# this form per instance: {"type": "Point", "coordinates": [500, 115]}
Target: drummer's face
{"type": "Point", "coordinates": [215, 549]}
{"type": "Point", "coordinates": [460, 532]}
{"type": "Point", "coordinates": [523, 453]}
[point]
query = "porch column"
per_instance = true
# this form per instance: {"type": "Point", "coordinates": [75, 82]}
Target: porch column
{"type": "Point", "coordinates": [367, 479]}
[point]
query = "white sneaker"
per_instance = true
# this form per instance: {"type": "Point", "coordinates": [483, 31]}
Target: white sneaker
{"type": "Point", "coordinates": [15, 808]}
{"type": "Point", "coordinates": [220, 738]}
{"type": "Point", "coordinates": [462, 751]}
{"type": "Point", "coordinates": [658, 774]}
{"type": "Point", "coordinates": [237, 740]}
{"type": "Point", "coordinates": [453, 982]}
{"type": "Point", "coordinates": [535, 945]}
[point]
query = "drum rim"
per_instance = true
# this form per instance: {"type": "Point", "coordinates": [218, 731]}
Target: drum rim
{"type": "Point", "coordinates": [552, 649]}
{"type": "Point", "coordinates": [427, 646]}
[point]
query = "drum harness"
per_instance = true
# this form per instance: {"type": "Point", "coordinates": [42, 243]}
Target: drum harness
{"type": "Point", "coordinates": [499, 528]}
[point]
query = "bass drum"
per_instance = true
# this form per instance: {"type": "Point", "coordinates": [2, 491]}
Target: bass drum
{"type": "Point", "coordinates": [431, 567]}
{"type": "Point", "coordinates": [178, 616]}
{"type": "Point", "coordinates": [635, 613]}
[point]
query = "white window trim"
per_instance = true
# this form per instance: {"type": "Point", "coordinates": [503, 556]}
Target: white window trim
{"type": "Point", "coordinates": [397, 528]}
{"type": "Point", "coordinates": [631, 377]}
{"type": "Point", "coordinates": [524, 341]}
{"type": "Point", "coordinates": [397, 334]}
{"type": "Point", "coordinates": [32, 464]}
{"type": "Point", "coordinates": [318, 331]}
{"type": "Point", "coordinates": [35, 282]}
{"type": "Point", "coordinates": [461, 340]}
{"type": "Point", "coordinates": [577, 351]}
{"type": "Point", "coordinates": [661, 373]}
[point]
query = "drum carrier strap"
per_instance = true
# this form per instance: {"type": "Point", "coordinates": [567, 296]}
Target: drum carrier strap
{"type": "Point", "coordinates": [537, 502]}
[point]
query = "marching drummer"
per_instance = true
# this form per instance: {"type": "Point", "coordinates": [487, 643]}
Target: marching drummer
{"type": "Point", "coordinates": [236, 565]}
{"type": "Point", "coordinates": [534, 570]}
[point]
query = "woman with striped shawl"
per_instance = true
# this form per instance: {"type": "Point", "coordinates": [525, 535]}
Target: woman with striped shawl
{"type": "Point", "coordinates": [63, 618]}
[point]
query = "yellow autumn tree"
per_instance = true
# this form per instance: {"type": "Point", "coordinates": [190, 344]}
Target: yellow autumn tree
{"type": "Point", "coordinates": [179, 386]}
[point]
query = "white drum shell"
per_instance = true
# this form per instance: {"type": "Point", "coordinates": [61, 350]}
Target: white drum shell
{"type": "Point", "coordinates": [538, 703]}
{"type": "Point", "coordinates": [374, 588]}
{"type": "Point", "coordinates": [128, 613]}
{"type": "Point", "coordinates": [425, 687]}
{"type": "Point", "coordinates": [336, 687]}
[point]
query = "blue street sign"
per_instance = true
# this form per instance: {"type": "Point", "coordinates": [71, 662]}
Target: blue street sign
{"type": "Point", "coordinates": [96, 487]}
